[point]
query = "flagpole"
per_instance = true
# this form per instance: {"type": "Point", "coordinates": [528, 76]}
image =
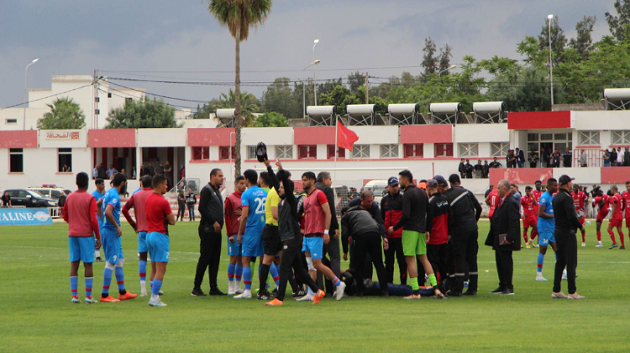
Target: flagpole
{"type": "Point", "coordinates": [336, 148]}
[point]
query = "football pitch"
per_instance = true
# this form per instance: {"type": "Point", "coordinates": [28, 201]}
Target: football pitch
{"type": "Point", "coordinates": [36, 313]}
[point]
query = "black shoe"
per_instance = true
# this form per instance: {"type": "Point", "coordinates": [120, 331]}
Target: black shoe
{"type": "Point", "coordinates": [196, 292]}
{"type": "Point", "coordinates": [216, 291]}
{"type": "Point", "coordinates": [507, 291]}
{"type": "Point", "coordinates": [385, 294]}
{"type": "Point", "coordinates": [471, 292]}
{"type": "Point", "coordinates": [451, 293]}
{"type": "Point", "coordinates": [499, 290]}
{"type": "Point", "coordinates": [299, 294]}
{"type": "Point", "coordinates": [98, 259]}
{"type": "Point", "coordinates": [263, 295]}
{"type": "Point", "coordinates": [274, 293]}
{"type": "Point", "coordinates": [359, 294]}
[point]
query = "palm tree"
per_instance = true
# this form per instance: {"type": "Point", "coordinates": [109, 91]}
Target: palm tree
{"type": "Point", "coordinates": [238, 16]}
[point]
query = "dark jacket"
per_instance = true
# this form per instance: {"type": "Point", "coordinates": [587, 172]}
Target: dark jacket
{"type": "Point", "coordinates": [466, 210]}
{"type": "Point", "coordinates": [330, 196]}
{"type": "Point", "coordinates": [564, 212]}
{"type": "Point", "coordinates": [288, 221]}
{"type": "Point", "coordinates": [415, 203]}
{"type": "Point", "coordinates": [506, 220]}
{"type": "Point", "coordinates": [181, 200]}
{"type": "Point", "coordinates": [391, 212]}
{"type": "Point", "coordinates": [191, 199]}
{"type": "Point", "coordinates": [439, 218]}
{"type": "Point", "coordinates": [210, 207]}
{"type": "Point", "coordinates": [356, 223]}
{"type": "Point", "coordinates": [375, 212]}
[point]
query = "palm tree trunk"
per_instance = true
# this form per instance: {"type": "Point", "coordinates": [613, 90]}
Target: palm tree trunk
{"type": "Point", "coordinates": [237, 106]}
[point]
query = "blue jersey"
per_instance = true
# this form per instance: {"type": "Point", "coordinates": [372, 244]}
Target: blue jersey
{"type": "Point", "coordinates": [546, 225]}
{"type": "Point", "coordinates": [254, 198]}
{"type": "Point", "coordinates": [97, 195]}
{"type": "Point", "coordinates": [111, 198]}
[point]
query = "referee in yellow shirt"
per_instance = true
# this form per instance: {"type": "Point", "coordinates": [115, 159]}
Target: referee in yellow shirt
{"type": "Point", "coordinates": [271, 237]}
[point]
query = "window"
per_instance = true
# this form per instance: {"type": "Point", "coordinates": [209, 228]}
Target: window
{"type": "Point", "coordinates": [621, 137]}
{"type": "Point", "coordinates": [532, 137]}
{"type": "Point", "coordinates": [251, 152]}
{"type": "Point", "coordinates": [226, 153]}
{"type": "Point", "coordinates": [307, 152]}
{"type": "Point", "coordinates": [546, 137]}
{"type": "Point", "coordinates": [341, 152]}
{"type": "Point", "coordinates": [499, 149]}
{"type": "Point", "coordinates": [65, 160]}
{"type": "Point", "coordinates": [589, 138]}
{"type": "Point", "coordinates": [444, 150]}
{"type": "Point", "coordinates": [414, 150]}
{"type": "Point", "coordinates": [361, 151]}
{"type": "Point", "coordinates": [10, 121]}
{"type": "Point", "coordinates": [200, 153]}
{"type": "Point", "coordinates": [284, 152]}
{"type": "Point", "coordinates": [109, 94]}
{"type": "Point", "coordinates": [468, 149]}
{"type": "Point", "coordinates": [389, 151]}
{"type": "Point", "coordinates": [16, 157]}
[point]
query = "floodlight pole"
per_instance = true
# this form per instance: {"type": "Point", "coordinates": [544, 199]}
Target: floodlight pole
{"type": "Point", "coordinates": [26, 92]}
{"type": "Point", "coordinates": [550, 17]}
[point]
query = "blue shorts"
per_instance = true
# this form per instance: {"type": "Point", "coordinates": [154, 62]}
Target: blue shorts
{"type": "Point", "coordinates": [252, 246]}
{"type": "Point", "coordinates": [142, 242]}
{"type": "Point", "coordinates": [315, 246]}
{"type": "Point", "coordinates": [234, 249]}
{"type": "Point", "coordinates": [81, 249]}
{"type": "Point", "coordinates": [112, 246]}
{"type": "Point", "coordinates": [159, 246]}
{"type": "Point", "coordinates": [545, 238]}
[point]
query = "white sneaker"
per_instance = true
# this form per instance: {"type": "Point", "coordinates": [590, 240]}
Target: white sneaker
{"type": "Point", "coordinates": [558, 295]}
{"type": "Point", "coordinates": [599, 244]}
{"type": "Point", "coordinates": [564, 274]}
{"type": "Point", "coordinates": [583, 244]}
{"type": "Point", "coordinates": [306, 298]}
{"type": "Point", "coordinates": [245, 295]}
{"type": "Point", "coordinates": [574, 296]}
{"type": "Point", "coordinates": [340, 290]}
{"type": "Point", "coordinates": [231, 288]}
{"type": "Point", "coordinates": [238, 291]}
{"type": "Point", "coordinates": [540, 278]}
{"type": "Point", "coordinates": [143, 293]}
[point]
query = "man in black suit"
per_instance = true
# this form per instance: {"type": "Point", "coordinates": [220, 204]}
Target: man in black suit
{"type": "Point", "coordinates": [506, 227]}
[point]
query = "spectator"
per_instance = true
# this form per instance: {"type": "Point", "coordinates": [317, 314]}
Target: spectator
{"type": "Point", "coordinates": [6, 200]}
{"type": "Point", "coordinates": [461, 169]}
{"type": "Point", "coordinates": [566, 158]}
{"type": "Point", "coordinates": [181, 205]}
{"type": "Point", "coordinates": [626, 157]}
{"type": "Point", "coordinates": [133, 172]}
{"type": "Point", "coordinates": [182, 172]}
{"type": "Point", "coordinates": [123, 172]}
{"type": "Point", "coordinates": [191, 200]}
{"type": "Point", "coordinates": [469, 169]}
{"type": "Point", "coordinates": [619, 157]}
{"type": "Point", "coordinates": [544, 155]}
{"type": "Point", "coordinates": [478, 169]}
{"type": "Point", "coordinates": [510, 159]}
{"type": "Point", "coordinates": [495, 163]}
{"type": "Point", "coordinates": [485, 171]}
{"type": "Point", "coordinates": [111, 171]}
{"type": "Point", "coordinates": [613, 157]}
{"type": "Point", "coordinates": [66, 169]}
{"type": "Point", "coordinates": [583, 159]}
{"type": "Point", "coordinates": [160, 169]}
{"type": "Point", "coordinates": [606, 158]}
{"type": "Point", "coordinates": [555, 157]}
{"type": "Point", "coordinates": [95, 172]}
{"type": "Point", "coordinates": [168, 171]}
{"type": "Point", "coordinates": [533, 159]}
{"type": "Point", "coordinates": [149, 169]}
{"type": "Point", "coordinates": [520, 158]}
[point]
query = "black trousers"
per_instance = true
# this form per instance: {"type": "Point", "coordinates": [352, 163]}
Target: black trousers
{"type": "Point", "coordinates": [191, 211]}
{"type": "Point", "coordinates": [291, 259]}
{"type": "Point", "coordinates": [369, 243]}
{"type": "Point", "coordinates": [438, 257]}
{"type": "Point", "coordinates": [505, 267]}
{"type": "Point", "coordinates": [209, 257]}
{"type": "Point", "coordinates": [464, 252]}
{"type": "Point", "coordinates": [181, 210]}
{"type": "Point", "coordinates": [567, 258]}
{"type": "Point", "coordinates": [367, 262]}
{"type": "Point", "coordinates": [395, 252]}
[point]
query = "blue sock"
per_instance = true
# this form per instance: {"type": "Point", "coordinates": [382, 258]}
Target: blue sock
{"type": "Point", "coordinates": [74, 285]}
{"type": "Point", "coordinates": [120, 278]}
{"type": "Point", "coordinates": [157, 285]}
{"type": "Point", "coordinates": [336, 282]}
{"type": "Point", "coordinates": [107, 280]}
{"type": "Point", "coordinates": [247, 277]}
{"type": "Point", "coordinates": [142, 270]}
{"type": "Point", "coordinates": [230, 272]}
{"type": "Point", "coordinates": [540, 260]}
{"type": "Point", "coordinates": [88, 286]}
{"type": "Point", "coordinates": [238, 270]}
{"type": "Point", "coordinates": [274, 274]}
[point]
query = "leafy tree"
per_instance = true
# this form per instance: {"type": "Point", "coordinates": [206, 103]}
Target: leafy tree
{"type": "Point", "coordinates": [64, 114]}
{"type": "Point", "coordinates": [558, 41]}
{"type": "Point", "coordinates": [280, 98]}
{"type": "Point", "coordinates": [356, 80]}
{"type": "Point", "coordinates": [583, 43]}
{"type": "Point", "coordinates": [144, 113]}
{"type": "Point", "coordinates": [429, 59]}
{"type": "Point", "coordinates": [238, 16]}
{"type": "Point", "coordinates": [249, 105]}
{"type": "Point", "coordinates": [620, 25]}
{"type": "Point", "coordinates": [271, 119]}
{"type": "Point", "coordinates": [202, 112]}
{"type": "Point", "coordinates": [340, 97]}
{"type": "Point", "coordinates": [445, 58]}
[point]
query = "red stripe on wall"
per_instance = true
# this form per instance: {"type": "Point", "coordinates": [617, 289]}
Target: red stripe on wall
{"type": "Point", "coordinates": [18, 139]}
{"type": "Point", "coordinates": [539, 120]}
{"type": "Point", "coordinates": [615, 175]}
{"type": "Point", "coordinates": [426, 134]}
{"type": "Point", "coordinates": [314, 135]}
{"type": "Point", "coordinates": [520, 175]}
{"type": "Point", "coordinates": [210, 137]}
{"type": "Point", "coordinates": [112, 138]}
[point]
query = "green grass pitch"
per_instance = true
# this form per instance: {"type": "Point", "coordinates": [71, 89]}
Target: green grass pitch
{"type": "Point", "coordinates": [36, 313]}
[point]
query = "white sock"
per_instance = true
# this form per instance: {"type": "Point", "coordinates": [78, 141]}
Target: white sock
{"type": "Point", "coordinates": [143, 287]}
{"type": "Point", "coordinates": [231, 286]}
{"type": "Point", "coordinates": [154, 297]}
{"type": "Point", "coordinates": [97, 253]}
{"type": "Point", "coordinates": [237, 285]}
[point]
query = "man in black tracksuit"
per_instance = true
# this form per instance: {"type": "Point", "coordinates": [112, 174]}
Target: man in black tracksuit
{"type": "Point", "coordinates": [358, 224]}
{"type": "Point", "coordinates": [567, 224]}
{"type": "Point", "coordinates": [466, 212]}
{"type": "Point", "coordinates": [438, 249]}
{"type": "Point", "coordinates": [391, 212]}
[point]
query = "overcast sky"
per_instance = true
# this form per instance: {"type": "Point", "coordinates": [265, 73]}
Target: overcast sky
{"type": "Point", "coordinates": [158, 36]}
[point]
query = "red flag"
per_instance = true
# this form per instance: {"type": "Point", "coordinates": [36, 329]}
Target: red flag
{"type": "Point", "coordinates": [345, 137]}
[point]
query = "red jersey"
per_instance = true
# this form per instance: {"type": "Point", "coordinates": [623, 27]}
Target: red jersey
{"type": "Point", "coordinates": [537, 194]}
{"type": "Point", "coordinates": [80, 213]}
{"type": "Point", "coordinates": [157, 208]}
{"type": "Point", "coordinates": [618, 201]}
{"type": "Point", "coordinates": [626, 202]}
{"type": "Point", "coordinates": [314, 217]}
{"type": "Point", "coordinates": [579, 199]}
{"type": "Point", "coordinates": [137, 201]}
{"type": "Point", "coordinates": [233, 209]}
{"type": "Point", "coordinates": [494, 201]}
{"type": "Point", "coordinates": [528, 206]}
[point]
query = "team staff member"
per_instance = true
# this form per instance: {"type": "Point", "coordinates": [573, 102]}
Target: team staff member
{"type": "Point", "coordinates": [324, 182]}
{"type": "Point", "coordinates": [442, 221]}
{"type": "Point", "coordinates": [181, 205]}
{"type": "Point", "coordinates": [466, 210]}
{"type": "Point", "coordinates": [211, 209]}
{"type": "Point", "coordinates": [233, 211]}
{"type": "Point", "coordinates": [79, 212]}
{"type": "Point", "coordinates": [617, 216]}
{"type": "Point", "coordinates": [159, 216]}
{"type": "Point", "coordinates": [138, 203]}
{"type": "Point", "coordinates": [505, 237]}
{"type": "Point", "coordinates": [191, 200]}
{"type": "Point", "coordinates": [391, 212]}
{"type": "Point", "coordinates": [567, 223]}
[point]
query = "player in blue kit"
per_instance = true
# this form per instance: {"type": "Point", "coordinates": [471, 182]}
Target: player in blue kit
{"type": "Point", "coordinates": [112, 247]}
{"type": "Point", "coordinates": [250, 231]}
{"type": "Point", "coordinates": [98, 195]}
{"type": "Point", "coordinates": [546, 225]}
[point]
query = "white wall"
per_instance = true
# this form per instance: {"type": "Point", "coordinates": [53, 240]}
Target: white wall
{"type": "Point", "coordinates": [601, 120]}
{"type": "Point", "coordinates": [175, 137]}
{"type": "Point", "coordinates": [470, 133]}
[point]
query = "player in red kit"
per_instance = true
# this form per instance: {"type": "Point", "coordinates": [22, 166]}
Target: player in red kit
{"type": "Point", "coordinates": [537, 192]}
{"type": "Point", "coordinates": [579, 200]}
{"type": "Point", "coordinates": [601, 202]}
{"type": "Point", "coordinates": [617, 217]}
{"type": "Point", "coordinates": [626, 204]}
{"type": "Point", "coordinates": [491, 201]}
{"type": "Point", "coordinates": [530, 218]}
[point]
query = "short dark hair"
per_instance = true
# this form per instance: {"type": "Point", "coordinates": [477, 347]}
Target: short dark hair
{"type": "Point", "coordinates": [538, 182]}
{"type": "Point", "coordinates": [551, 180]}
{"type": "Point", "coordinates": [614, 187]}
{"type": "Point", "coordinates": [309, 176]}
{"type": "Point", "coordinates": [83, 180]}
{"type": "Point", "coordinates": [99, 181]}
{"type": "Point", "coordinates": [214, 171]}
{"type": "Point", "coordinates": [514, 185]}
{"type": "Point", "coordinates": [627, 182]}
{"type": "Point", "coordinates": [251, 176]}
{"type": "Point", "coordinates": [528, 187]}
{"type": "Point", "coordinates": [158, 180]}
{"type": "Point", "coordinates": [238, 179]}
{"type": "Point", "coordinates": [147, 181]}
{"type": "Point", "coordinates": [321, 176]}
{"type": "Point", "coordinates": [265, 178]}
{"type": "Point", "coordinates": [118, 179]}
{"type": "Point", "coordinates": [344, 210]}
{"type": "Point", "coordinates": [407, 175]}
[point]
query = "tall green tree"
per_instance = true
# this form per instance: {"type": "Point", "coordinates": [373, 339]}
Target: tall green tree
{"type": "Point", "coordinates": [620, 25]}
{"type": "Point", "coordinates": [271, 119]}
{"type": "Point", "coordinates": [279, 97]}
{"type": "Point", "coordinates": [583, 42]}
{"type": "Point", "coordinates": [146, 113]}
{"type": "Point", "coordinates": [248, 102]}
{"type": "Point", "coordinates": [64, 114]}
{"type": "Point", "coordinates": [239, 16]}
{"type": "Point", "coordinates": [445, 58]}
{"type": "Point", "coordinates": [430, 60]}
{"type": "Point", "coordinates": [356, 80]}
{"type": "Point", "coordinates": [558, 40]}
